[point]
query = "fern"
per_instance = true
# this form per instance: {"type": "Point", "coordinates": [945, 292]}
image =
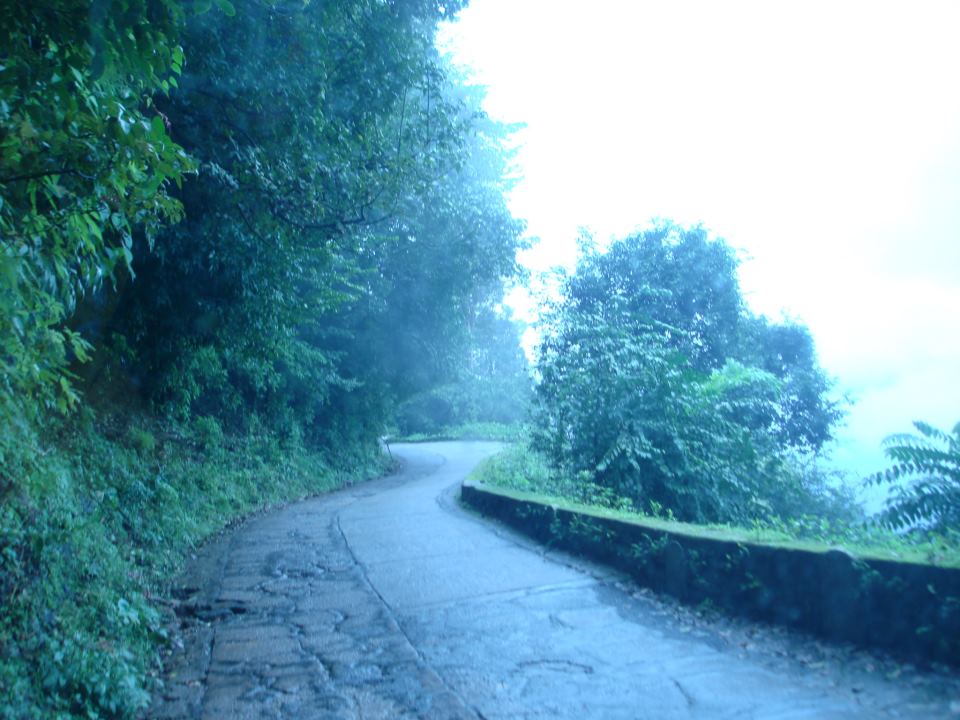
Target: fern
{"type": "Point", "coordinates": [926, 477]}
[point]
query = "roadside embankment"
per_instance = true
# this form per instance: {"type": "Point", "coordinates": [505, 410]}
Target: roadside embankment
{"type": "Point", "coordinates": [98, 514]}
{"type": "Point", "coordinates": [908, 608]}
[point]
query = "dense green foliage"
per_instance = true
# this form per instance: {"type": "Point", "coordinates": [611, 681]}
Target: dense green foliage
{"type": "Point", "coordinates": [343, 231]}
{"type": "Point", "coordinates": [85, 164]}
{"type": "Point", "coordinates": [123, 500]}
{"type": "Point", "coordinates": [345, 228]}
{"type": "Point", "coordinates": [482, 430]}
{"type": "Point", "coordinates": [925, 476]}
{"type": "Point", "coordinates": [234, 238]}
{"type": "Point", "coordinates": [659, 384]}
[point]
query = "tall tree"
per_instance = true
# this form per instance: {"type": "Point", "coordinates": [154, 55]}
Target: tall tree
{"type": "Point", "coordinates": [86, 166]}
{"type": "Point", "coordinates": [658, 382]}
{"type": "Point", "coordinates": [317, 126]}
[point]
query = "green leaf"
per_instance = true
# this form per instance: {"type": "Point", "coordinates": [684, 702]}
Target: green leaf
{"type": "Point", "coordinates": [158, 130]}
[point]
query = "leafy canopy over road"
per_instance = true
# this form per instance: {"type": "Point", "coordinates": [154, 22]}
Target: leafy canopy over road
{"type": "Point", "coordinates": [234, 237]}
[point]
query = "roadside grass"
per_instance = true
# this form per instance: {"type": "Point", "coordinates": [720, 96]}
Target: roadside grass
{"type": "Point", "coordinates": [97, 515]}
{"type": "Point", "coordinates": [523, 474]}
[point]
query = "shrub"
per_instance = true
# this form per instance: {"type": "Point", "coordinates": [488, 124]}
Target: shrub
{"type": "Point", "coordinates": [141, 440]}
{"type": "Point", "coordinates": [208, 433]}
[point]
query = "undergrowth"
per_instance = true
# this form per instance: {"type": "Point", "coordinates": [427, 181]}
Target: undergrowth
{"type": "Point", "coordinates": [97, 513]}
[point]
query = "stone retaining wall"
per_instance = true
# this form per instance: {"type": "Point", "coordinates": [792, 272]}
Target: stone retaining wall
{"type": "Point", "coordinates": [910, 609]}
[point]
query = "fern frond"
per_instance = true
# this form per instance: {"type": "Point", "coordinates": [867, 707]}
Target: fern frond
{"type": "Point", "coordinates": [926, 471]}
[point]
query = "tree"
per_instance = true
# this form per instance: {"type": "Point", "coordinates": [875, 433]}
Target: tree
{"type": "Point", "coordinates": [807, 413]}
{"type": "Point", "coordinates": [344, 227]}
{"type": "Point", "coordinates": [243, 213]}
{"type": "Point", "coordinates": [620, 406]}
{"type": "Point", "coordinates": [86, 166]}
{"type": "Point", "coordinates": [656, 381]}
{"type": "Point", "coordinates": [925, 476]}
{"type": "Point", "coordinates": [674, 276]}
{"type": "Point", "coordinates": [432, 291]}
{"type": "Point", "coordinates": [321, 129]}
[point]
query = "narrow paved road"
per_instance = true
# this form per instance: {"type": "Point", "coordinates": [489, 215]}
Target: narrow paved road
{"type": "Point", "coordinates": [388, 600]}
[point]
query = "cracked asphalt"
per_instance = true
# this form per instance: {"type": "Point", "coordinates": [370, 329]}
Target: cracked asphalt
{"type": "Point", "coordinates": [388, 600]}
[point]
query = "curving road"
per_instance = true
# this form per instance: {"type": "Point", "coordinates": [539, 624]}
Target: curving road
{"type": "Point", "coordinates": [387, 600]}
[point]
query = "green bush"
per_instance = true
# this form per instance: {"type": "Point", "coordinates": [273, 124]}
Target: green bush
{"type": "Point", "coordinates": [208, 433]}
{"type": "Point", "coordinates": [87, 164]}
{"type": "Point", "coordinates": [500, 401]}
{"type": "Point", "coordinates": [142, 441]}
{"type": "Point", "coordinates": [521, 468]}
{"type": "Point", "coordinates": [425, 414]}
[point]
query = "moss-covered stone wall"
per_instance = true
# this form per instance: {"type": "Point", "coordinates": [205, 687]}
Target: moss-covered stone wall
{"type": "Point", "coordinates": [910, 609]}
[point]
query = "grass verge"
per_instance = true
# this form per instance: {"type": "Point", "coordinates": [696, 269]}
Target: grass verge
{"type": "Point", "coordinates": [523, 474]}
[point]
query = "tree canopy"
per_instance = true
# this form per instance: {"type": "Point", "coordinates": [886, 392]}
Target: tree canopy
{"type": "Point", "coordinates": [252, 210]}
{"type": "Point", "coordinates": [658, 382]}
{"type": "Point", "coordinates": [87, 164]}
{"type": "Point", "coordinates": [235, 237]}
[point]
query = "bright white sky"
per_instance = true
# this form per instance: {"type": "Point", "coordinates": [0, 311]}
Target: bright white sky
{"type": "Point", "coordinates": [821, 138]}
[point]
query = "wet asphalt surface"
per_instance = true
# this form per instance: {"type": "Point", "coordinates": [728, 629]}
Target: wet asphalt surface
{"type": "Point", "coordinates": [388, 600]}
